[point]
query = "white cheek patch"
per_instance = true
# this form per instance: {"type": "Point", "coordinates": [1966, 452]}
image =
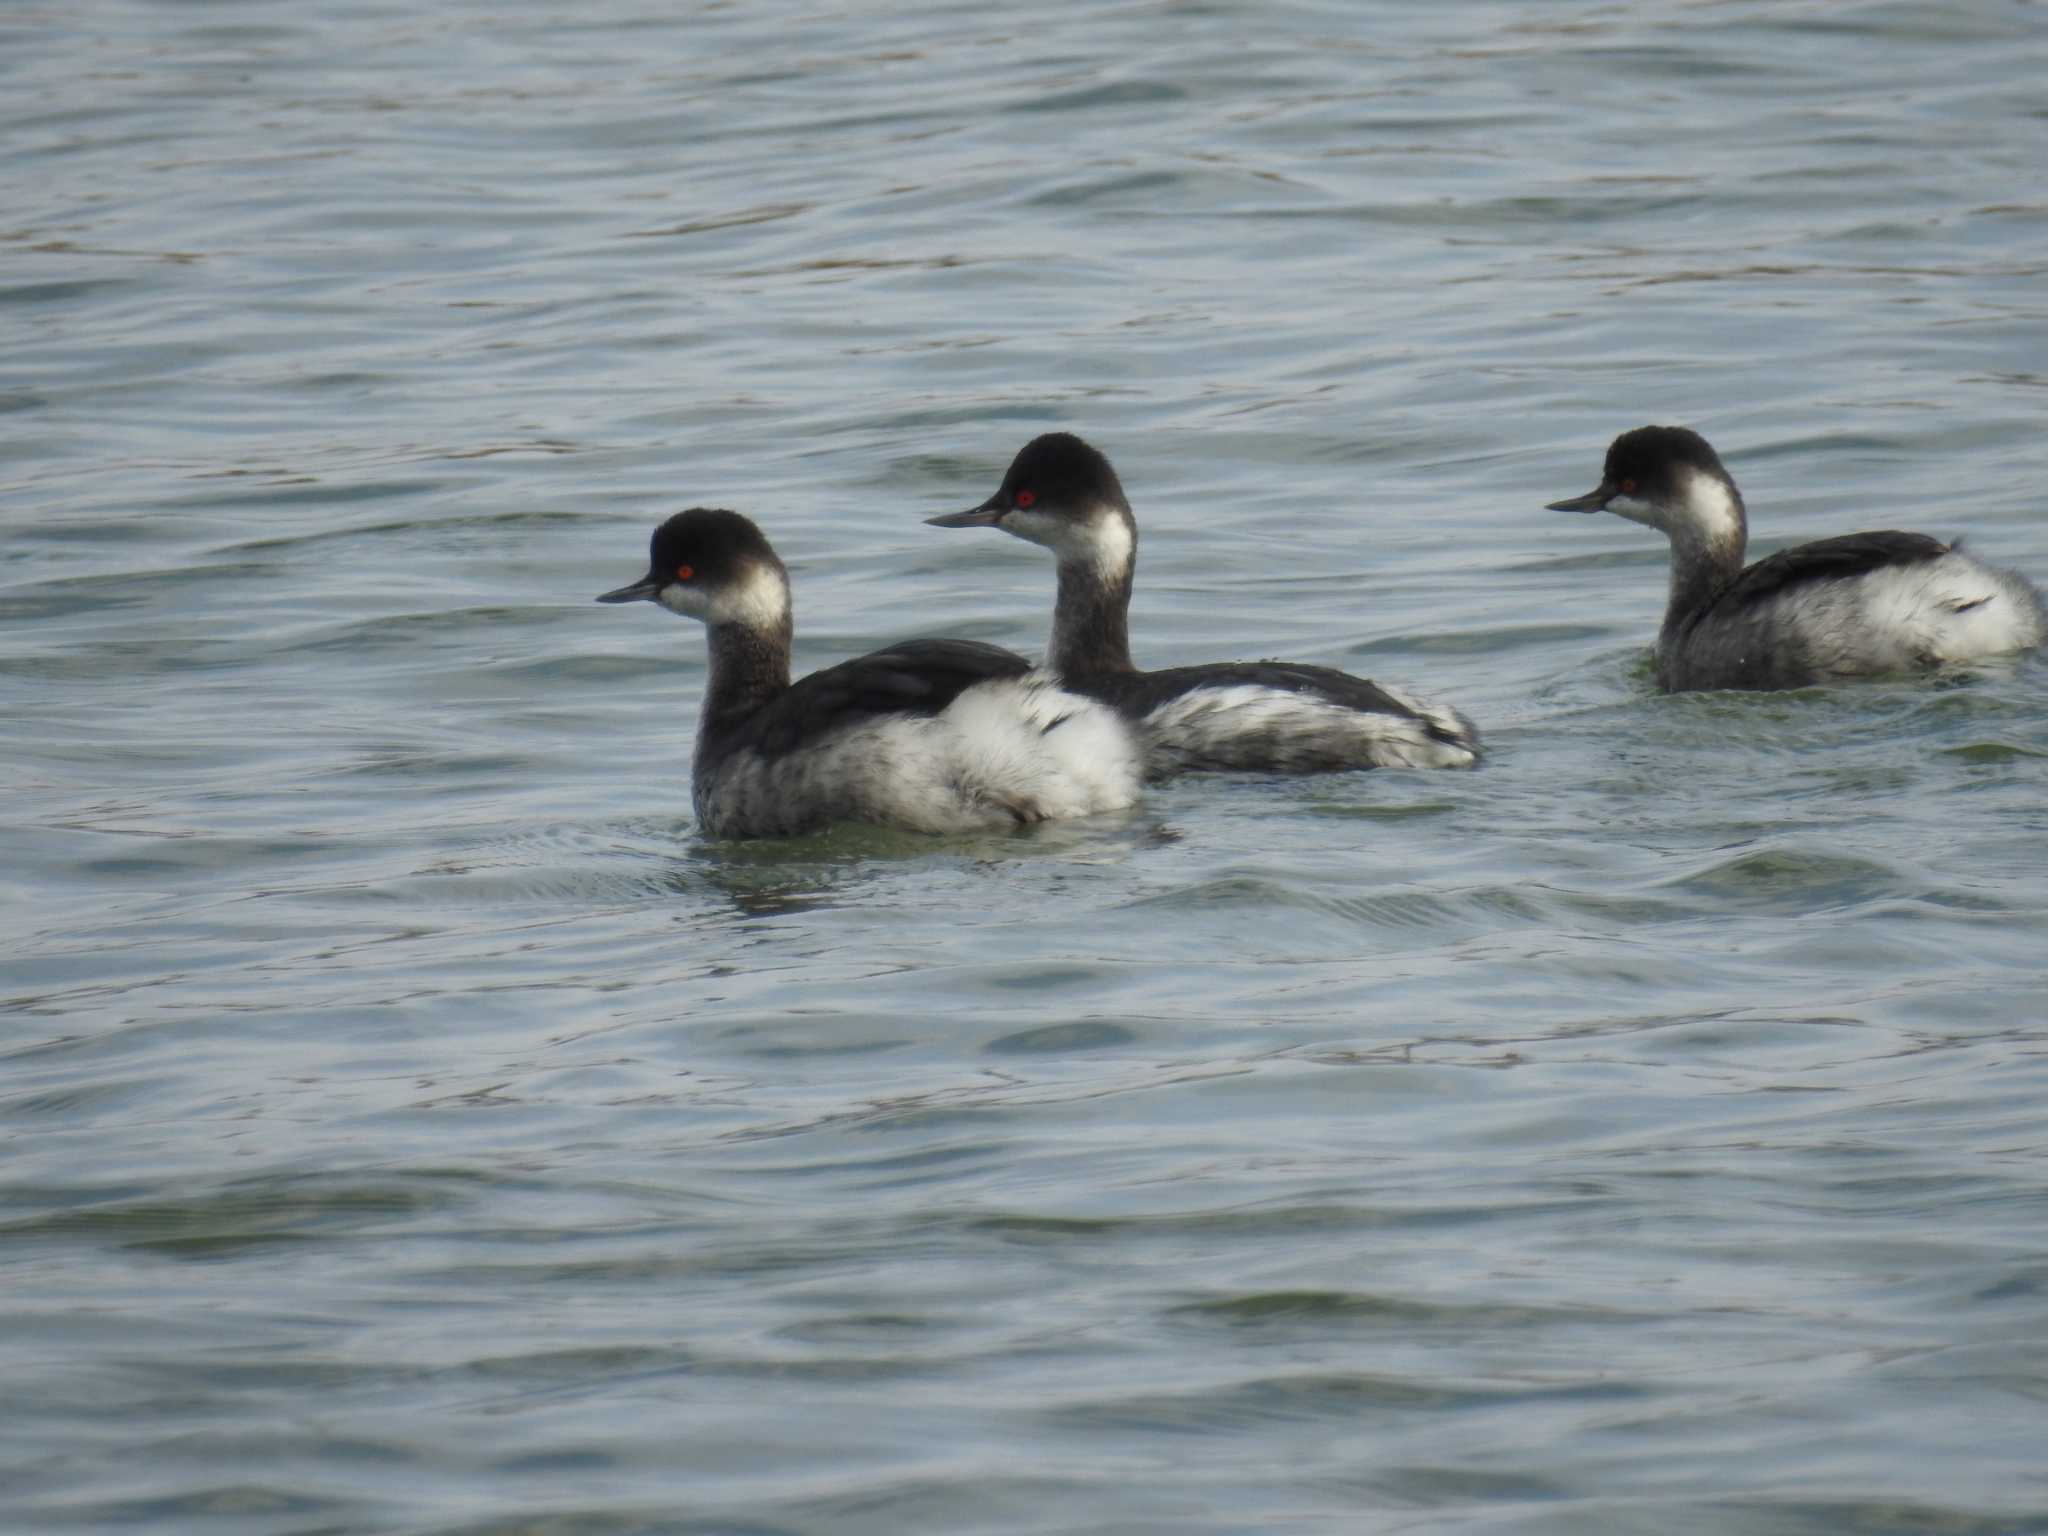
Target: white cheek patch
{"type": "Point", "coordinates": [687, 601]}
{"type": "Point", "coordinates": [1102, 542]}
{"type": "Point", "coordinates": [1112, 544]}
{"type": "Point", "coordinates": [1624, 505]}
{"type": "Point", "coordinates": [1055, 533]}
{"type": "Point", "coordinates": [1703, 509]}
{"type": "Point", "coordinates": [1710, 507]}
{"type": "Point", "coordinates": [1637, 510]}
{"type": "Point", "coordinates": [758, 600]}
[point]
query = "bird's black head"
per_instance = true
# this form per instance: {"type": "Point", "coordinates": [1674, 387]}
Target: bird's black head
{"type": "Point", "coordinates": [1062, 493]}
{"type": "Point", "coordinates": [1653, 466]}
{"type": "Point", "coordinates": [1055, 475]}
{"type": "Point", "coordinates": [713, 565]}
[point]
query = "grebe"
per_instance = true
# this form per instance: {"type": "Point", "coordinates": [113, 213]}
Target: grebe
{"type": "Point", "coordinates": [1853, 606]}
{"type": "Point", "coordinates": [1245, 716]}
{"type": "Point", "coordinates": [935, 735]}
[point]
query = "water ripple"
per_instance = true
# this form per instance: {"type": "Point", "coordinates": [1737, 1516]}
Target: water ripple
{"type": "Point", "coordinates": [417, 1125]}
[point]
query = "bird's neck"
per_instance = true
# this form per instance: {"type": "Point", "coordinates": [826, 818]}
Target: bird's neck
{"type": "Point", "coordinates": [749, 666]}
{"type": "Point", "coordinates": [1707, 545]}
{"type": "Point", "coordinates": [1091, 619]}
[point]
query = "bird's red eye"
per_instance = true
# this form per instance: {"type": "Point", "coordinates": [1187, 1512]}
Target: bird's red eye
{"type": "Point", "coordinates": [685, 572]}
{"type": "Point", "coordinates": [1628, 487]}
{"type": "Point", "coordinates": [1025, 498]}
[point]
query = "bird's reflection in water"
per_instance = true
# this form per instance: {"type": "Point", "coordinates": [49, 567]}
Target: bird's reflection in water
{"type": "Point", "coordinates": [774, 877]}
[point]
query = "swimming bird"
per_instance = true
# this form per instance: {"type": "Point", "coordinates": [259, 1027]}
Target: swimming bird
{"type": "Point", "coordinates": [1858, 605]}
{"type": "Point", "coordinates": [939, 736]}
{"type": "Point", "coordinates": [1246, 716]}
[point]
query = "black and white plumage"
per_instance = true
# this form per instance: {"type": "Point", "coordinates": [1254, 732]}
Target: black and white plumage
{"type": "Point", "coordinates": [934, 735]}
{"type": "Point", "coordinates": [1859, 605]}
{"type": "Point", "coordinates": [1248, 716]}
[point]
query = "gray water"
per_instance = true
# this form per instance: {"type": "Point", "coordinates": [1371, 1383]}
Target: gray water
{"type": "Point", "coordinates": [411, 1125]}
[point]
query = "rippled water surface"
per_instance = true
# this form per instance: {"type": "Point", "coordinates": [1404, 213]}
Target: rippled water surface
{"type": "Point", "coordinates": [411, 1125]}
